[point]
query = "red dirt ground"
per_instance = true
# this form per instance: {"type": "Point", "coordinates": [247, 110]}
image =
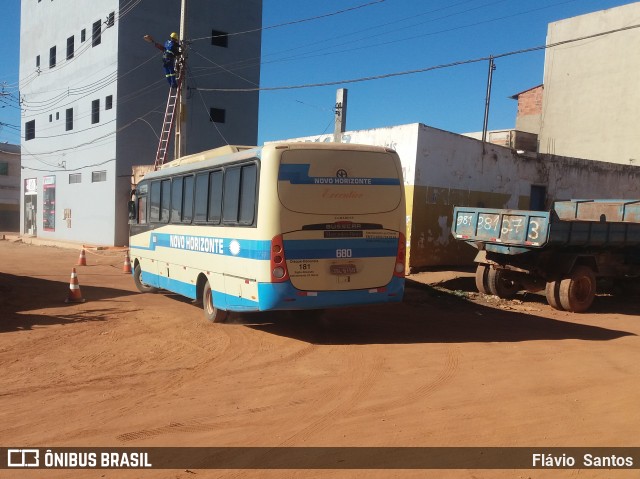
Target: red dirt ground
{"type": "Point", "coordinates": [447, 367]}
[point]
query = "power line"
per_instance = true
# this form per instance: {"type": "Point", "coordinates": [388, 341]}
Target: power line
{"type": "Point", "coordinates": [293, 22]}
{"type": "Point", "coordinates": [422, 70]}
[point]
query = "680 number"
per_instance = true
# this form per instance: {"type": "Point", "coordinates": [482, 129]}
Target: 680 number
{"type": "Point", "coordinates": [343, 253]}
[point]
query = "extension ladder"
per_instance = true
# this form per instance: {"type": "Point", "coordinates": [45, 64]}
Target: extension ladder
{"type": "Point", "coordinates": [167, 124]}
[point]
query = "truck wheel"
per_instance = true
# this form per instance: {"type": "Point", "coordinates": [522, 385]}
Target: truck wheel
{"type": "Point", "coordinates": [213, 314]}
{"type": "Point", "coordinates": [552, 292]}
{"type": "Point", "coordinates": [481, 278]}
{"type": "Point", "coordinates": [578, 290]}
{"type": "Point", "coordinates": [137, 279]}
{"type": "Point", "coordinates": [500, 285]}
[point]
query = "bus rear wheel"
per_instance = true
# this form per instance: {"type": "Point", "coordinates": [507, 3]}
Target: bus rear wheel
{"type": "Point", "coordinates": [142, 287]}
{"type": "Point", "coordinates": [213, 314]}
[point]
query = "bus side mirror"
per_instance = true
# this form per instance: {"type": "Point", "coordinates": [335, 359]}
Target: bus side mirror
{"type": "Point", "coordinates": [132, 211]}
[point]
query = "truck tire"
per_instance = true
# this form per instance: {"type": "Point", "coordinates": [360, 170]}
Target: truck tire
{"type": "Point", "coordinates": [552, 292]}
{"type": "Point", "coordinates": [578, 289]}
{"type": "Point", "coordinates": [481, 278]}
{"type": "Point", "coordinates": [500, 285]}
{"type": "Point", "coordinates": [211, 313]}
{"type": "Point", "coordinates": [137, 279]}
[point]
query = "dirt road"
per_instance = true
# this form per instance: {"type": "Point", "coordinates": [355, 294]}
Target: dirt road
{"type": "Point", "coordinates": [445, 368]}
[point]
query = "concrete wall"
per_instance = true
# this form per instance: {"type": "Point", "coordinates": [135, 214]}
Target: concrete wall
{"type": "Point", "coordinates": [591, 95]}
{"type": "Point", "coordinates": [128, 70]}
{"type": "Point", "coordinates": [10, 187]}
{"type": "Point", "coordinates": [443, 170]}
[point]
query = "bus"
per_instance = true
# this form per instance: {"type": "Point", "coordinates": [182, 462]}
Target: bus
{"type": "Point", "coordinates": [285, 226]}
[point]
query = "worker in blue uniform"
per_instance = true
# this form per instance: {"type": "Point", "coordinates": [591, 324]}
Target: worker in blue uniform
{"type": "Point", "coordinates": [170, 57]}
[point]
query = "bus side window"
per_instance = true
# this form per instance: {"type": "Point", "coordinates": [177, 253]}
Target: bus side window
{"type": "Point", "coordinates": [187, 200]}
{"type": "Point", "coordinates": [165, 201]}
{"type": "Point", "coordinates": [176, 200]}
{"type": "Point", "coordinates": [248, 195]}
{"type": "Point", "coordinates": [154, 216]}
{"type": "Point", "coordinates": [231, 195]}
{"type": "Point", "coordinates": [215, 197]}
{"type": "Point", "coordinates": [142, 210]}
{"type": "Point", "coordinates": [201, 199]}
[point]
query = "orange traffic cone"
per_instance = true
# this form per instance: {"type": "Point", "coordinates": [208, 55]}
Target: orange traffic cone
{"type": "Point", "coordinates": [82, 260]}
{"type": "Point", "coordinates": [126, 267]}
{"type": "Point", "coordinates": [75, 296]}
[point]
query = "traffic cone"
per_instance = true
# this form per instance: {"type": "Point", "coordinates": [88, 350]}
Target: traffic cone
{"type": "Point", "coordinates": [82, 260]}
{"type": "Point", "coordinates": [126, 268]}
{"type": "Point", "coordinates": [75, 296]}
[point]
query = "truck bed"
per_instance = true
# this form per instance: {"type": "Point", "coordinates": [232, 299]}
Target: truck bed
{"type": "Point", "coordinates": [591, 223]}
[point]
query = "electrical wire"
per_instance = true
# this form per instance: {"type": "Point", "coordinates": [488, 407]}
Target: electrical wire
{"type": "Point", "coordinates": [426, 69]}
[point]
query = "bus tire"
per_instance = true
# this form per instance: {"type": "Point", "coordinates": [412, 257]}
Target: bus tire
{"type": "Point", "coordinates": [137, 279]}
{"type": "Point", "coordinates": [578, 290]}
{"type": "Point", "coordinates": [213, 314]}
{"type": "Point", "coordinates": [500, 284]}
{"type": "Point", "coordinates": [481, 278]}
{"type": "Point", "coordinates": [552, 292]}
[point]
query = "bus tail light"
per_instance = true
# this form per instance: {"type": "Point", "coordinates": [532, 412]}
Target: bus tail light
{"type": "Point", "coordinates": [400, 257]}
{"type": "Point", "coordinates": [279, 271]}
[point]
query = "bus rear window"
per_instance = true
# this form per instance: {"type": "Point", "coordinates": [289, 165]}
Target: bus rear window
{"type": "Point", "coordinates": [339, 182]}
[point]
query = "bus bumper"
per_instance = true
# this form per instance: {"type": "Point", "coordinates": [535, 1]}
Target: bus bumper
{"type": "Point", "coordinates": [285, 296]}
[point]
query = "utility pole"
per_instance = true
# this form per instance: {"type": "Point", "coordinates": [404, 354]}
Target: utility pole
{"type": "Point", "coordinates": [180, 140]}
{"type": "Point", "coordinates": [341, 114]}
{"type": "Point", "coordinates": [487, 101]}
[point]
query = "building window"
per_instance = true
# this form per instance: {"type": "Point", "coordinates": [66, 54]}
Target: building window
{"type": "Point", "coordinates": [57, 115]}
{"type": "Point", "coordinates": [30, 130]}
{"type": "Point", "coordinates": [219, 39]}
{"type": "Point", "coordinates": [69, 119]}
{"type": "Point", "coordinates": [4, 168]}
{"type": "Point", "coordinates": [111, 19]}
{"type": "Point", "coordinates": [108, 102]}
{"type": "Point", "coordinates": [95, 111]}
{"type": "Point", "coordinates": [38, 61]}
{"type": "Point", "coordinates": [97, 34]}
{"type": "Point", "coordinates": [75, 178]}
{"type": "Point", "coordinates": [83, 35]}
{"type": "Point", "coordinates": [52, 57]}
{"type": "Point", "coordinates": [217, 115]}
{"type": "Point", "coordinates": [70, 47]}
{"type": "Point", "coordinates": [50, 118]}
{"type": "Point", "coordinates": [97, 176]}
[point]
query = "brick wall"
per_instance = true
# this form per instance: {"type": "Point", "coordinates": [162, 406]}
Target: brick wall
{"type": "Point", "coordinates": [530, 101]}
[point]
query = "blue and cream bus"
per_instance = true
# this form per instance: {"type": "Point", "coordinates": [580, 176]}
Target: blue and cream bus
{"type": "Point", "coordinates": [286, 226]}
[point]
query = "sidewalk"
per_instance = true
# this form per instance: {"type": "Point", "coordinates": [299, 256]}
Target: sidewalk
{"type": "Point", "coordinates": [17, 238]}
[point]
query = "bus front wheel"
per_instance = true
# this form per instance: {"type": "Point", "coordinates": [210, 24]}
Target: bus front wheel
{"type": "Point", "coordinates": [213, 314]}
{"type": "Point", "coordinates": [142, 287]}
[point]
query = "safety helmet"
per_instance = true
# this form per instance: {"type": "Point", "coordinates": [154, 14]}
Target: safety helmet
{"type": "Point", "coordinates": [174, 36]}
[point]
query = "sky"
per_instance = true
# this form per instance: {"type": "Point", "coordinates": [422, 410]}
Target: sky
{"type": "Point", "coordinates": [342, 40]}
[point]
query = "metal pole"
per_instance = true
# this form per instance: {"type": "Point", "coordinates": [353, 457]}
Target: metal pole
{"type": "Point", "coordinates": [180, 143]}
{"type": "Point", "coordinates": [492, 67]}
{"type": "Point", "coordinates": [341, 114]}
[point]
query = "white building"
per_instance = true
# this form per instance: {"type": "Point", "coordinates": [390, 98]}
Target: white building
{"type": "Point", "coordinates": [94, 94]}
{"type": "Point", "coordinates": [442, 170]}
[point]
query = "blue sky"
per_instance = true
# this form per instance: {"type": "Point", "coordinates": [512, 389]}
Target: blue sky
{"type": "Point", "coordinates": [381, 37]}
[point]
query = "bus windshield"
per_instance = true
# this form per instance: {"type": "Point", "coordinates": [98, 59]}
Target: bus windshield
{"type": "Point", "coordinates": [350, 182]}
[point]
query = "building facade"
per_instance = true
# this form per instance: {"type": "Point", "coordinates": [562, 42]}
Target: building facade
{"type": "Point", "coordinates": [591, 104]}
{"type": "Point", "coordinates": [9, 187]}
{"type": "Point", "coordinates": [93, 97]}
{"type": "Point", "coordinates": [442, 170]}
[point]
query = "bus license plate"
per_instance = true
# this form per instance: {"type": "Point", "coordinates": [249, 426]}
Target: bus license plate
{"type": "Point", "coordinates": [343, 269]}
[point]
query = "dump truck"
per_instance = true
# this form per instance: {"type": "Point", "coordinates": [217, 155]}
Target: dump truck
{"type": "Point", "coordinates": [565, 251]}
